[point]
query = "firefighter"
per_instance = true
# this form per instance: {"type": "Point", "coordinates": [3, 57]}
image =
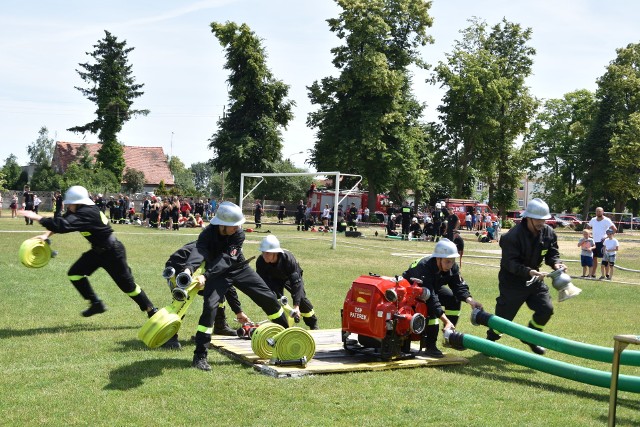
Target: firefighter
{"type": "Point", "coordinates": [177, 261]}
{"type": "Point", "coordinates": [219, 245]}
{"type": "Point", "coordinates": [436, 271]}
{"type": "Point", "coordinates": [415, 232]}
{"type": "Point", "coordinates": [280, 270]}
{"type": "Point", "coordinates": [353, 217]}
{"type": "Point", "coordinates": [106, 251]}
{"type": "Point", "coordinates": [300, 215]}
{"type": "Point", "coordinates": [524, 248]}
{"type": "Point", "coordinates": [407, 214]}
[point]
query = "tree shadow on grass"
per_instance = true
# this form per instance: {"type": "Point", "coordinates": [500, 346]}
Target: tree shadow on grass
{"type": "Point", "coordinates": [78, 327]}
{"type": "Point", "coordinates": [479, 362]}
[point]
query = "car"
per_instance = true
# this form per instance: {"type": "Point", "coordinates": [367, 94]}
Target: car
{"type": "Point", "coordinates": [635, 223]}
{"type": "Point", "coordinates": [570, 220]}
{"type": "Point", "coordinates": [516, 216]}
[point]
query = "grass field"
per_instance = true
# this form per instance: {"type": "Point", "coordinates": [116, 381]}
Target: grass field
{"type": "Point", "coordinates": [59, 368]}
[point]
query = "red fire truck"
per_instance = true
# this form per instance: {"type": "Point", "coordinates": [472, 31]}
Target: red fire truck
{"type": "Point", "coordinates": [462, 206]}
{"type": "Point", "coordinates": [321, 198]}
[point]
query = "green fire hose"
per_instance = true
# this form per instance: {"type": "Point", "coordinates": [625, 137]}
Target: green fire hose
{"type": "Point", "coordinates": [562, 345]}
{"type": "Point", "coordinates": [34, 253]}
{"type": "Point", "coordinates": [260, 336]}
{"type": "Point", "coordinates": [550, 366]}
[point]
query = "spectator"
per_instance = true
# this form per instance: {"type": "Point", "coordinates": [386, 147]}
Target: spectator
{"type": "Point", "coordinates": [365, 215]}
{"type": "Point", "coordinates": [176, 210]}
{"type": "Point", "coordinates": [165, 214]}
{"type": "Point", "coordinates": [146, 208]}
{"type": "Point", "coordinates": [586, 245]}
{"type": "Point", "coordinates": [282, 210]}
{"type": "Point", "coordinates": [198, 208]}
{"type": "Point", "coordinates": [199, 222]}
{"type": "Point", "coordinates": [14, 206]}
{"type": "Point", "coordinates": [27, 201]}
{"type": "Point", "coordinates": [326, 214]}
{"type": "Point", "coordinates": [459, 242]}
{"type": "Point", "coordinates": [599, 225]}
{"type": "Point", "coordinates": [214, 206]}
{"type": "Point", "coordinates": [258, 210]}
{"type": "Point", "coordinates": [36, 203]}
{"type": "Point", "coordinates": [453, 223]}
{"type": "Point", "coordinates": [468, 220]}
{"type": "Point", "coordinates": [609, 251]}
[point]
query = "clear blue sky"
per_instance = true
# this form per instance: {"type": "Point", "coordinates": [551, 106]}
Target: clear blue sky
{"type": "Point", "coordinates": [180, 61]}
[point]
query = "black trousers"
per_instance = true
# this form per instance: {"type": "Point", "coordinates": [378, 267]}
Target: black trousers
{"type": "Point", "coordinates": [113, 260]}
{"type": "Point", "coordinates": [452, 307]}
{"type": "Point", "coordinates": [536, 296]}
{"type": "Point", "coordinates": [246, 280]}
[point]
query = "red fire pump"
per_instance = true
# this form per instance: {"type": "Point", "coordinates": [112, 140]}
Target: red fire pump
{"type": "Point", "coordinates": [386, 314]}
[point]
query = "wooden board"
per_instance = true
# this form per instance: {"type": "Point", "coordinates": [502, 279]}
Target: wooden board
{"type": "Point", "coordinates": [330, 357]}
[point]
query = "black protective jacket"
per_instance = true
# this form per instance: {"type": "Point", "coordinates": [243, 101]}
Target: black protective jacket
{"type": "Point", "coordinates": [426, 269]}
{"type": "Point", "coordinates": [88, 220]}
{"type": "Point", "coordinates": [523, 252]}
{"type": "Point", "coordinates": [221, 253]}
{"type": "Point", "coordinates": [286, 270]}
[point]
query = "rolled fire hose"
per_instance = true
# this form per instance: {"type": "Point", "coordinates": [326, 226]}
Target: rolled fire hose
{"type": "Point", "coordinates": [293, 343]}
{"type": "Point", "coordinates": [259, 338]}
{"type": "Point", "coordinates": [540, 363]}
{"type": "Point", "coordinates": [34, 253]}
{"type": "Point", "coordinates": [562, 345]}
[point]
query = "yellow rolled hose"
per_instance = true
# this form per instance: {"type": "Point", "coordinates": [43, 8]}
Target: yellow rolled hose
{"type": "Point", "coordinates": [160, 327]}
{"type": "Point", "coordinates": [259, 338]}
{"type": "Point", "coordinates": [34, 253]}
{"type": "Point", "coordinates": [294, 343]}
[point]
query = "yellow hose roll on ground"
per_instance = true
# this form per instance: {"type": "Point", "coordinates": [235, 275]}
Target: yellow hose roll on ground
{"type": "Point", "coordinates": [160, 327]}
{"type": "Point", "coordinates": [294, 343]}
{"type": "Point", "coordinates": [34, 253]}
{"type": "Point", "coordinates": [259, 338]}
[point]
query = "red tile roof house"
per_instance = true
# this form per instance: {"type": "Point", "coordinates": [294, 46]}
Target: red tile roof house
{"type": "Point", "coordinates": [150, 160]}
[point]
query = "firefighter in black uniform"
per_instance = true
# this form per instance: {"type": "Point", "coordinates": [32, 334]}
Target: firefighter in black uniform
{"type": "Point", "coordinates": [524, 248]}
{"type": "Point", "coordinates": [258, 210]}
{"type": "Point", "coordinates": [280, 270]}
{"type": "Point", "coordinates": [27, 199]}
{"type": "Point", "coordinates": [453, 223]}
{"type": "Point", "coordinates": [436, 271]}
{"type": "Point", "coordinates": [177, 262]}
{"type": "Point", "coordinates": [106, 251]}
{"type": "Point", "coordinates": [407, 214]}
{"type": "Point", "coordinates": [300, 215]}
{"type": "Point", "coordinates": [353, 217]}
{"type": "Point", "coordinates": [219, 245]}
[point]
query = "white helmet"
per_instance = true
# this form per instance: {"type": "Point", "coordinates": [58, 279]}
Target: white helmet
{"type": "Point", "coordinates": [445, 248]}
{"type": "Point", "coordinates": [77, 195]}
{"type": "Point", "coordinates": [537, 209]}
{"type": "Point", "coordinates": [438, 205]}
{"type": "Point", "coordinates": [228, 214]}
{"type": "Point", "coordinates": [270, 244]}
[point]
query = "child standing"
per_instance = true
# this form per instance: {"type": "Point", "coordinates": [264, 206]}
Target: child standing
{"type": "Point", "coordinates": [610, 249]}
{"type": "Point", "coordinates": [586, 244]}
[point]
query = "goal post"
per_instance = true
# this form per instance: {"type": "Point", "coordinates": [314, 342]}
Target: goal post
{"type": "Point", "coordinates": [337, 199]}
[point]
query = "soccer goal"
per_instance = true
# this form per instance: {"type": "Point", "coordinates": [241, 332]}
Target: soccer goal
{"type": "Point", "coordinates": [337, 199]}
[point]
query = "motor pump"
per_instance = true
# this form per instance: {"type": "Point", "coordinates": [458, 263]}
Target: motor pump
{"type": "Point", "coordinates": [386, 314]}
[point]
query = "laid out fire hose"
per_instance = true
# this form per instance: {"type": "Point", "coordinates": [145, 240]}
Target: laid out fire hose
{"type": "Point", "coordinates": [540, 363]}
{"type": "Point", "coordinates": [562, 345]}
{"type": "Point", "coordinates": [35, 252]}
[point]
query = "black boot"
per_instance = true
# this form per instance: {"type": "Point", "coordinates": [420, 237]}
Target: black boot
{"type": "Point", "coordinates": [95, 308]}
{"type": "Point", "coordinates": [173, 344]}
{"type": "Point", "coordinates": [535, 348]}
{"type": "Point", "coordinates": [311, 322]}
{"type": "Point", "coordinates": [200, 362]}
{"type": "Point", "coordinates": [220, 325]}
{"type": "Point", "coordinates": [492, 335]}
{"type": "Point", "coordinates": [428, 342]}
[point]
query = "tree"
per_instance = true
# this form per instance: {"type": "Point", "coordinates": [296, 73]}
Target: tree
{"type": "Point", "coordinates": [183, 177]}
{"type": "Point", "coordinates": [11, 171]}
{"type": "Point", "coordinates": [133, 180]}
{"type": "Point", "coordinates": [95, 180]}
{"type": "Point", "coordinates": [248, 137]}
{"type": "Point", "coordinates": [291, 188]}
{"type": "Point", "coordinates": [613, 139]}
{"type": "Point", "coordinates": [554, 141]}
{"type": "Point", "coordinates": [368, 120]}
{"type": "Point", "coordinates": [487, 106]}
{"type": "Point", "coordinates": [113, 89]}
{"type": "Point", "coordinates": [41, 150]}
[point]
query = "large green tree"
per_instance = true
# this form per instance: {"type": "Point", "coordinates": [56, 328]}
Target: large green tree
{"type": "Point", "coordinates": [183, 177]}
{"type": "Point", "coordinates": [555, 141]}
{"type": "Point", "coordinates": [41, 150]}
{"type": "Point", "coordinates": [613, 141]}
{"type": "Point", "coordinates": [487, 106]}
{"type": "Point", "coordinates": [133, 180]}
{"type": "Point", "coordinates": [367, 120]}
{"type": "Point", "coordinates": [112, 87]}
{"type": "Point", "coordinates": [11, 171]}
{"type": "Point", "coordinates": [248, 137]}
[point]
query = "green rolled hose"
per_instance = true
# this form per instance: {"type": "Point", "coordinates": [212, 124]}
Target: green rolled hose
{"type": "Point", "coordinates": [34, 253]}
{"type": "Point", "coordinates": [543, 364]}
{"type": "Point", "coordinates": [294, 343]}
{"type": "Point", "coordinates": [562, 345]}
{"type": "Point", "coordinates": [259, 338]}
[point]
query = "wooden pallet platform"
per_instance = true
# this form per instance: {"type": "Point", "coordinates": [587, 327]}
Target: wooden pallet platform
{"type": "Point", "coordinates": [330, 357]}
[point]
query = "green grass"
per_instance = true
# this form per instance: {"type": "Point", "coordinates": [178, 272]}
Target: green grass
{"type": "Point", "coordinates": [61, 369]}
